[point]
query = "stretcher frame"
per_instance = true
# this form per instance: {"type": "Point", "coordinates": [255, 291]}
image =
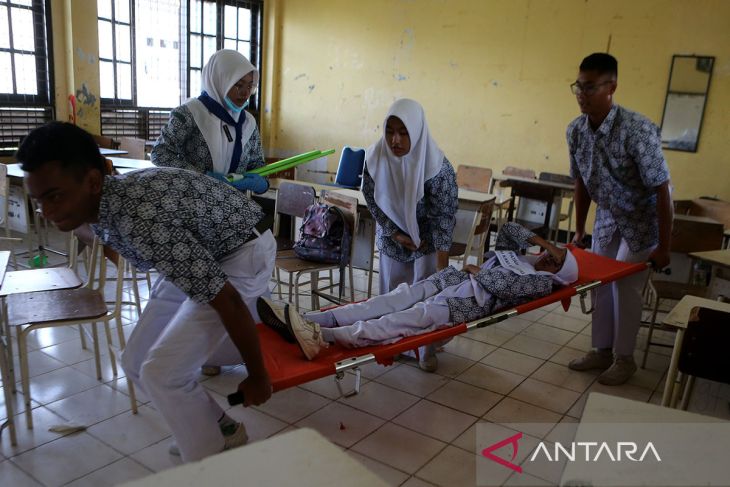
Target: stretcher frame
{"type": "Point", "coordinates": [288, 367]}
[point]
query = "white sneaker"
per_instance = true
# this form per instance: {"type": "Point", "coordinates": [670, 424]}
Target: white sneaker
{"type": "Point", "coordinates": [429, 362]}
{"type": "Point", "coordinates": [595, 359]}
{"type": "Point", "coordinates": [621, 371]}
{"type": "Point", "coordinates": [234, 434]}
{"type": "Point", "coordinates": [306, 332]}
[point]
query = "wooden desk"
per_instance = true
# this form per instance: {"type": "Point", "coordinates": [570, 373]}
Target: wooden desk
{"type": "Point", "coordinates": [720, 276]}
{"type": "Point", "coordinates": [567, 189]}
{"type": "Point", "coordinates": [112, 152]}
{"type": "Point", "coordinates": [131, 163]}
{"type": "Point", "coordinates": [678, 318]}
{"type": "Point", "coordinates": [715, 257]}
{"type": "Point", "coordinates": [301, 458]}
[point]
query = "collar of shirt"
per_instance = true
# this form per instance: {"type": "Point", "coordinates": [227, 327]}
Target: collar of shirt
{"type": "Point", "coordinates": [605, 128]}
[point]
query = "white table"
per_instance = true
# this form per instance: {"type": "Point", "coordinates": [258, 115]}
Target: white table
{"type": "Point", "coordinates": [679, 318]}
{"type": "Point", "coordinates": [301, 458]}
{"type": "Point", "coordinates": [112, 152]}
{"type": "Point", "coordinates": [131, 163]}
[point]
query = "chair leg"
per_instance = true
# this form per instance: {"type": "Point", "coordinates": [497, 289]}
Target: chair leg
{"type": "Point", "coordinates": [110, 347]}
{"type": "Point", "coordinates": [352, 285]}
{"type": "Point", "coordinates": [296, 290]}
{"type": "Point", "coordinates": [7, 391]}
{"type": "Point", "coordinates": [130, 385]}
{"type": "Point", "coordinates": [651, 332]}
{"type": "Point", "coordinates": [97, 355]}
{"type": "Point", "coordinates": [24, 375]}
{"type": "Point", "coordinates": [82, 335]}
{"type": "Point", "coordinates": [7, 332]}
{"type": "Point", "coordinates": [135, 289]}
{"type": "Point", "coordinates": [689, 387]}
{"type": "Point", "coordinates": [278, 283]}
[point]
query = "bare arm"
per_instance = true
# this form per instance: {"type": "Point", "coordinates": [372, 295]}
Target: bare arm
{"type": "Point", "coordinates": [237, 320]}
{"type": "Point", "coordinates": [665, 217]}
{"type": "Point", "coordinates": [582, 202]}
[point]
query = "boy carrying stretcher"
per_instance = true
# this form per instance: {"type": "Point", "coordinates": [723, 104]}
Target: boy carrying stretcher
{"type": "Point", "coordinates": [446, 298]}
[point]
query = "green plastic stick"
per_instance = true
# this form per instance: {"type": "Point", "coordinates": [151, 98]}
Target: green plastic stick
{"type": "Point", "coordinates": [294, 163]}
{"type": "Point", "coordinates": [285, 161]}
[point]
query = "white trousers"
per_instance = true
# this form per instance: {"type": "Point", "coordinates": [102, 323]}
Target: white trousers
{"type": "Point", "coordinates": [617, 316]}
{"type": "Point", "coordinates": [394, 273]}
{"type": "Point", "coordinates": [405, 311]}
{"type": "Point", "coordinates": [176, 335]}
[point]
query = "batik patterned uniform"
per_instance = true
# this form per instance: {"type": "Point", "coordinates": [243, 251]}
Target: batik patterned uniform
{"type": "Point", "coordinates": [198, 233]}
{"type": "Point", "coordinates": [436, 215]}
{"type": "Point", "coordinates": [449, 296]}
{"type": "Point", "coordinates": [181, 144]}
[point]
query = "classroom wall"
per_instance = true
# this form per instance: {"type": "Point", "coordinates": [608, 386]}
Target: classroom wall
{"type": "Point", "coordinates": [493, 75]}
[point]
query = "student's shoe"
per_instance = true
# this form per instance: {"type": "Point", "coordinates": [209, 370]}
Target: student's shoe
{"type": "Point", "coordinates": [274, 317]}
{"type": "Point", "coordinates": [307, 333]}
{"type": "Point", "coordinates": [621, 371]}
{"type": "Point", "coordinates": [234, 434]}
{"type": "Point", "coordinates": [210, 370]}
{"type": "Point", "coordinates": [429, 362]}
{"type": "Point", "coordinates": [595, 359]}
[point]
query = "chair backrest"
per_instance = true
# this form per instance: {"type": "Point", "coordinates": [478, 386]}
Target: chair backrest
{"type": "Point", "coordinates": [485, 212]}
{"type": "Point", "coordinates": [473, 178]}
{"type": "Point", "coordinates": [695, 234]}
{"type": "Point", "coordinates": [704, 349]}
{"type": "Point", "coordinates": [347, 204]}
{"type": "Point", "coordinates": [105, 141]}
{"type": "Point", "coordinates": [292, 201]}
{"type": "Point", "coordinates": [554, 177]}
{"type": "Point", "coordinates": [519, 172]}
{"type": "Point", "coordinates": [135, 147]}
{"type": "Point", "coordinates": [350, 169]}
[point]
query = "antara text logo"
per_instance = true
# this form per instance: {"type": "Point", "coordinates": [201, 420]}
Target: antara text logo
{"type": "Point", "coordinates": [589, 451]}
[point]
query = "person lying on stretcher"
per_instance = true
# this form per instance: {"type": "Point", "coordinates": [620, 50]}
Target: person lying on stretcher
{"type": "Point", "coordinates": [446, 298]}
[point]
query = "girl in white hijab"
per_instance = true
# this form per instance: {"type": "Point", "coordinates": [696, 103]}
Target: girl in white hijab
{"type": "Point", "coordinates": [410, 188]}
{"type": "Point", "coordinates": [213, 133]}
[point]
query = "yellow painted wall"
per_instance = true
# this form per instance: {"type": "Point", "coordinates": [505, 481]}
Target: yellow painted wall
{"type": "Point", "coordinates": [493, 75]}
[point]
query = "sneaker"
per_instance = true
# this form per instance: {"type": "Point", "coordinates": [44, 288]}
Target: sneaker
{"type": "Point", "coordinates": [234, 434]}
{"type": "Point", "coordinates": [621, 371]}
{"type": "Point", "coordinates": [595, 359]}
{"type": "Point", "coordinates": [306, 332]}
{"type": "Point", "coordinates": [210, 370]}
{"type": "Point", "coordinates": [274, 317]}
{"type": "Point", "coordinates": [429, 362]}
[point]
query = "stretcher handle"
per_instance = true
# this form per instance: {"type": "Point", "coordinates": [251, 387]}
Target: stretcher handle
{"type": "Point", "coordinates": [235, 399]}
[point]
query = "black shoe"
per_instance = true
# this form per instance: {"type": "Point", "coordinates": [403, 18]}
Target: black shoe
{"type": "Point", "coordinates": [275, 318]}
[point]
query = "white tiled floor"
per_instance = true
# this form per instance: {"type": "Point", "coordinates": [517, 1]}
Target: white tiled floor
{"type": "Point", "coordinates": [409, 427]}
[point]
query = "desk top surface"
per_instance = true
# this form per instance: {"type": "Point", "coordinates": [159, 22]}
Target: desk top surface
{"type": "Point", "coordinates": [4, 258]}
{"type": "Point", "coordinates": [679, 316]}
{"type": "Point", "coordinates": [34, 280]}
{"type": "Point", "coordinates": [718, 257]}
{"type": "Point", "coordinates": [301, 458]}
{"type": "Point", "coordinates": [553, 184]}
{"type": "Point", "coordinates": [131, 163]}
{"type": "Point", "coordinates": [112, 152]}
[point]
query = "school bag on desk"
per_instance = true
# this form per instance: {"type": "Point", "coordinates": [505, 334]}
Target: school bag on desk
{"type": "Point", "coordinates": [325, 237]}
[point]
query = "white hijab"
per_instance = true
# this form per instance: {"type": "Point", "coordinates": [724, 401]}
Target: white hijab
{"type": "Point", "coordinates": [222, 71]}
{"type": "Point", "coordinates": [399, 180]}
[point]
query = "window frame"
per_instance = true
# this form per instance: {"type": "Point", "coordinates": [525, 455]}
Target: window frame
{"type": "Point", "coordinates": [117, 102]}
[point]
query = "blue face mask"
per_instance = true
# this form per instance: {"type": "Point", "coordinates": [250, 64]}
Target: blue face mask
{"type": "Point", "coordinates": [233, 107]}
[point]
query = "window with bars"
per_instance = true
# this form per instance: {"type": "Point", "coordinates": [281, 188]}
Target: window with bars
{"type": "Point", "coordinates": [26, 80]}
{"type": "Point", "coordinates": [169, 43]}
{"type": "Point", "coordinates": [116, 44]}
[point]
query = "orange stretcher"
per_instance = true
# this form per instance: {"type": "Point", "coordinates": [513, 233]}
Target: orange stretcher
{"type": "Point", "coordinates": [288, 367]}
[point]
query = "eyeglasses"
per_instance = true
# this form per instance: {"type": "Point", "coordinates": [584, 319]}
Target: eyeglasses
{"type": "Point", "coordinates": [588, 90]}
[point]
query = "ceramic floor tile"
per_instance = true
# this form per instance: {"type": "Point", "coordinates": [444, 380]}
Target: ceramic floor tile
{"type": "Point", "coordinates": [58, 384]}
{"type": "Point", "coordinates": [565, 322]}
{"type": "Point", "coordinates": [91, 406]}
{"type": "Point", "coordinates": [581, 342]}
{"type": "Point", "coordinates": [562, 376]}
{"type": "Point", "coordinates": [157, 457]}
{"type": "Point", "coordinates": [510, 410]}
{"type": "Point", "coordinates": [293, 404]}
{"type": "Point", "coordinates": [122, 385]}
{"type": "Point", "coordinates": [39, 435]}
{"type": "Point", "coordinates": [627, 391]}
{"type": "Point", "coordinates": [535, 314]}
{"type": "Point", "coordinates": [453, 467]}
{"type": "Point", "coordinates": [496, 380]}
{"type": "Point", "coordinates": [38, 363]}
{"type": "Point", "coordinates": [646, 378]}
{"type": "Point", "coordinates": [66, 459]}
{"type": "Point", "coordinates": [389, 475]}
{"type": "Point", "coordinates": [468, 348]}
{"type": "Point", "coordinates": [565, 355]}
{"type": "Point", "coordinates": [491, 335]}
{"type": "Point", "coordinates": [129, 433]}
{"type": "Point", "coordinates": [88, 367]}
{"type": "Point", "coordinates": [227, 382]}
{"type": "Point", "coordinates": [327, 386]}
{"type": "Point", "coordinates": [451, 365]}
{"type": "Point", "coordinates": [435, 420]}
{"type": "Point", "coordinates": [516, 362]}
{"type": "Point", "coordinates": [12, 476]}
{"type": "Point", "coordinates": [70, 352]}
{"type": "Point", "coordinates": [124, 470]}
{"type": "Point", "coordinates": [380, 400]}
{"type": "Point", "coordinates": [341, 424]}
{"type": "Point", "coordinates": [412, 380]}
{"type": "Point", "coordinates": [399, 447]}
{"type": "Point", "coordinates": [524, 479]}
{"type": "Point", "coordinates": [548, 333]}
{"type": "Point", "coordinates": [532, 346]}
{"type": "Point", "coordinates": [416, 482]}
{"type": "Point", "coordinates": [545, 395]}
{"type": "Point", "coordinates": [48, 337]}
{"type": "Point", "coordinates": [465, 398]}
{"type": "Point", "coordinates": [374, 369]}
{"type": "Point", "coordinates": [514, 325]}
{"type": "Point", "coordinates": [17, 402]}
{"type": "Point", "coordinates": [258, 425]}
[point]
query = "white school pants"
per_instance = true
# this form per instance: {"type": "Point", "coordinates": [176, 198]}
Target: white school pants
{"type": "Point", "coordinates": [176, 335]}
{"type": "Point", "coordinates": [394, 273]}
{"type": "Point", "coordinates": [617, 316]}
{"type": "Point", "coordinates": [405, 311]}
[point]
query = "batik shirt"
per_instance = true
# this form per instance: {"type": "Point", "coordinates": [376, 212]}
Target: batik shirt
{"type": "Point", "coordinates": [621, 164]}
{"type": "Point", "coordinates": [506, 288]}
{"type": "Point", "coordinates": [435, 213]}
{"type": "Point", "coordinates": [181, 144]}
{"type": "Point", "coordinates": [176, 222]}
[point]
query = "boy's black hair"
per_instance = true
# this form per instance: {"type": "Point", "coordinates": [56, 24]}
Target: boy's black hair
{"type": "Point", "coordinates": [72, 146]}
{"type": "Point", "coordinates": [602, 62]}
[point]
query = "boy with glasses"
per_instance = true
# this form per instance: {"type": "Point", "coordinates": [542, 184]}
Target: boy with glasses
{"type": "Point", "coordinates": [617, 161]}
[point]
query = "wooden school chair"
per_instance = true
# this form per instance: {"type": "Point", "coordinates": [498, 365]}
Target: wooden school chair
{"type": "Point", "coordinates": [568, 215]}
{"type": "Point", "coordinates": [478, 235]}
{"type": "Point", "coordinates": [473, 178]}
